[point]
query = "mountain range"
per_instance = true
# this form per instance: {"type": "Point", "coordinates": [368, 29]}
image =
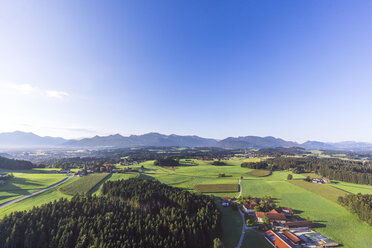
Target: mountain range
{"type": "Point", "coordinates": [20, 139]}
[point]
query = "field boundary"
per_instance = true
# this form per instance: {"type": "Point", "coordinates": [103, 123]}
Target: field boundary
{"type": "Point", "coordinates": [259, 173]}
{"type": "Point", "coordinates": [35, 193]}
{"type": "Point", "coordinates": [96, 187]}
{"type": "Point", "coordinates": [217, 188]}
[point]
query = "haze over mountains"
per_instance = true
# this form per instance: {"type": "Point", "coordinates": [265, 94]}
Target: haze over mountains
{"type": "Point", "coordinates": [20, 139]}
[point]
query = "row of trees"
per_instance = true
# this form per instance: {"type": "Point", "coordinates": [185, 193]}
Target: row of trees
{"type": "Point", "coordinates": [256, 165]}
{"type": "Point", "coordinates": [333, 168]}
{"type": "Point", "coordinates": [359, 204]}
{"type": "Point", "coordinates": [167, 161]}
{"type": "Point", "coordinates": [14, 164]}
{"type": "Point", "coordinates": [130, 213]}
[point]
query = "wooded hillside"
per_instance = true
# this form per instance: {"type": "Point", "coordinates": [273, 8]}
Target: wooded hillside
{"type": "Point", "coordinates": [131, 213]}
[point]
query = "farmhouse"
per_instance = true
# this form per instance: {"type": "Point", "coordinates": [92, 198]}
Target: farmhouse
{"type": "Point", "coordinates": [273, 217]}
{"type": "Point", "coordinates": [278, 240]}
{"type": "Point", "coordinates": [249, 207]}
{"type": "Point", "coordinates": [321, 180]}
{"type": "Point", "coordinates": [286, 211]}
{"type": "Point", "coordinates": [292, 237]}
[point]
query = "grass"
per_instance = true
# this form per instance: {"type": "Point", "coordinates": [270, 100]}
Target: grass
{"type": "Point", "coordinates": [333, 220]}
{"type": "Point", "coordinates": [112, 177]}
{"type": "Point", "coordinates": [352, 187]}
{"type": "Point", "coordinates": [259, 173]}
{"type": "Point", "coordinates": [38, 200]}
{"type": "Point", "coordinates": [217, 188]}
{"type": "Point", "coordinates": [83, 185]}
{"type": "Point", "coordinates": [232, 225]}
{"type": "Point", "coordinates": [26, 183]}
{"type": "Point", "coordinates": [254, 239]}
{"type": "Point", "coordinates": [325, 190]}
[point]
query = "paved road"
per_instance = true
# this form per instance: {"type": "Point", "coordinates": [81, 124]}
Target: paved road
{"type": "Point", "coordinates": [32, 194]}
{"type": "Point", "coordinates": [243, 219]}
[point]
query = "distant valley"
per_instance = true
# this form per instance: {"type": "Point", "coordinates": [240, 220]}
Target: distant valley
{"type": "Point", "coordinates": [20, 139]}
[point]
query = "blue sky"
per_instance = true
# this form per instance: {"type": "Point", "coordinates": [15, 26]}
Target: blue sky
{"type": "Point", "coordinates": [299, 70]}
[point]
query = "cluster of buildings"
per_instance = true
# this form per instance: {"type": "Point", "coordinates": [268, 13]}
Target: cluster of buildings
{"type": "Point", "coordinates": [283, 228]}
{"type": "Point", "coordinates": [321, 180]}
{"type": "Point", "coordinates": [296, 238]}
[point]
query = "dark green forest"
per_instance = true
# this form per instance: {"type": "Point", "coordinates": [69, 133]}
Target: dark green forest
{"type": "Point", "coordinates": [333, 168]}
{"type": "Point", "coordinates": [14, 164]}
{"type": "Point", "coordinates": [130, 213]}
{"type": "Point", "coordinates": [358, 204]}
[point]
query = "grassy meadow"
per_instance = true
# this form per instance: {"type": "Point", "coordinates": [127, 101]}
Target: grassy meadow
{"type": "Point", "coordinates": [332, 220]}
{"type": "Point", "coordinates": [259, 173]}
{"type": "Point", "coordinates": [25, 183]}
{"type": "Point", "coordinates": [83, 185]}
{"type": "Point", "coordinates": [217, 188]}
{"type": "Point", "coordinates": [325, 190]}
{"type": "Point", "coordinates": [308, 200]}
{"type": "Point", "coordinates": [352, 187]}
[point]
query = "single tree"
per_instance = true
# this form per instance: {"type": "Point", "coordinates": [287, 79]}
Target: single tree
{"type": "Point", "coordinates": [217, 243]}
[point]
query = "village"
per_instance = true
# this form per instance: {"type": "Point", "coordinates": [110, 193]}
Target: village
{"type": "Point", "coordinates": [104, 168]}
{"type": "Point", "coordinates": [281, 227]}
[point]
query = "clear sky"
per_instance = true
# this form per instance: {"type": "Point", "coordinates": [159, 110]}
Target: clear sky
{"type": "Point", "coordinates": [299, 70]}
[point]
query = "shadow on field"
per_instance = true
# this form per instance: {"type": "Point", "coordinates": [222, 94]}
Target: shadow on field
{"type": "Point", "coordinates": [143, 176]}
{"type": "Point", "coordinates": [296, 211]}
{"type": "Point", "coordinates": [20, 186]}
{"type": "Point", "coordinates": [319, 224]}
{"type": "Point", "coordinates": [98, 185]}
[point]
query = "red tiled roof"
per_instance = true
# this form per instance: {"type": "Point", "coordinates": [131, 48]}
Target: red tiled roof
{"type": "Point", "coordinates": [277, 241]}
{"type": "Point", "coordinates": [271, 216]}
{"type": "Point", "coordinates": [299, 223]}
{"type": "Point", "coordinates": [260, 214]}
{"type": "Point", "coordinates": [292, 237]}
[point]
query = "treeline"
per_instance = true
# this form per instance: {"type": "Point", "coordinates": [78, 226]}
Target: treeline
{"type": "Point", "coordinates": [280, 151]}
{"type": "Point", "coordinates": [78, 162]}
{"type": "Point", "coordinates": [333, 168]}
{"type": "Point", "coordinates": [130, 213]}
{"type": "Point", "coordinates": [14, 164]}
{"type": "Point", "coordinates": [358, 204]}
{"type": "Point", "coordinates": [166, 162]}
{"type": "Point", "coordinates": [139, 154]}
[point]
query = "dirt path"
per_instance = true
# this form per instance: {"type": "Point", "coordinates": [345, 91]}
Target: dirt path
{"type": "Point", "coordinates": [35, 193]}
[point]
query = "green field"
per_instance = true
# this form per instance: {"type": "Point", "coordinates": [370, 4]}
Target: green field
{"type": "Point", "coordinates": [83, 185]}
{"type": "Point", "coordinates": [309, 200]}
{"type": "Point", "coordinates": [43, 198]}
{"type": "Point", "coordinates": [259, 173]}
{"type": "Point", "coordinates": [324, 190]}
{"type": "Point", "coordinates": [112, 177]}
{"type": "Point", "coordinates": [26, 183]}
{"type": "Point", "coordinates": [332, 220]}
{"type": "Point", "coordinates": [352, 188]}
{"type": "Point", "coordinates": [232, 225]}
{"type": "Point", "coordinates": [217, 188]}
